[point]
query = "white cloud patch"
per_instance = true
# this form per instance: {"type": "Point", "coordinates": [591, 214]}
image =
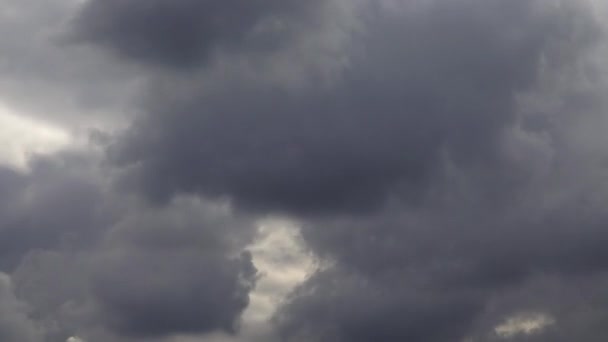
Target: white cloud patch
{"type": "Point", "coordinates": [74, 339]}
{"type": "Point", "coordinates": [283, 263]}
{"type": "Point", "coordinates": [21, 137]}
{"type": "Point", "coordinates": [524, 324]}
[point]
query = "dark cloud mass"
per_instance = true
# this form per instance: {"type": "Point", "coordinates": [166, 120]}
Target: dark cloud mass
{"type": "Point", "coordinates": [84, 259]}
{"type": "Point", "coordinates": [183, 33]}
{"type": "Point", "coordinates": [165, 293]}
{"type": "Point", "coordinates": [14, 322]}
{"type": "Point", "coordinates": [34, 217]}
{"type": "Point", "coordinates": [444, 161]}
{"type": "Point", "coordinates": [418, 88]}
{"type": "Point", "coordinates": [174, 273]}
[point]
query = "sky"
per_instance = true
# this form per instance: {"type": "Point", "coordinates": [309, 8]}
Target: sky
{"type": "Point", "coordinates": [303, 171]}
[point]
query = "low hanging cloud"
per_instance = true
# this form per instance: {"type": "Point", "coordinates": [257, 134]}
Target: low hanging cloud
{"type": "Point", "coordinates": [442, 161]}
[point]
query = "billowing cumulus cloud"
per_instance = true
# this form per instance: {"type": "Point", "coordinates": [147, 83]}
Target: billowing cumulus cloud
{"type": "Point", "coordinates": [85, 259]}
{"type": "Point", "coordinates": [442, 164]}
{"type": "Point", "coordinates": [176, 274]}
{"type": "Point", "coordinates": [421, 87]}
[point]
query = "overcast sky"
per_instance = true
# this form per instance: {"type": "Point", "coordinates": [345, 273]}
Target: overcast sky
{"type": "Point", "coordinates": [303, 171]}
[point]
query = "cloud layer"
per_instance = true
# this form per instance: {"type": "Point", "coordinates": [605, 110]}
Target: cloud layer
{"type": "Point", "coordinates": [442, 161]}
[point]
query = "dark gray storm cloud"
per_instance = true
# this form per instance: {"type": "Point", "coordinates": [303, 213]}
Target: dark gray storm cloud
{"type": "Point", "coordinates": [429, 109]}
{"type": "Point", "coordinates": [85, 260]}
{"type": "Point", "coordinates": [430, 275]}
{"type": "Point", "coordinates": [343, 306]}
{"type": "Point", "coordinates": [185, 33]}
{"type": "Point", "coordinates": [49, 207]}
{"type": "Point", "coordinates": [176, 272]}
{"type": "Point", "coordinates": [15, 324]}
{"type": "Point", "coordinates": [168, 293]}
{"type": "Point", "coordinates": [418, 89]}
{"type": "Point", "coordinates": [444, 160]}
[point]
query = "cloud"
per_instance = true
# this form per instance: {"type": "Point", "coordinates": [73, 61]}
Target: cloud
{"type": "Point", "coordinates": [15, 324]}
{"type": "Point", "coordinates": [56, 203]}
{"type": "Point", "coordinates": [47, 78]}
{"type": "Point", "coordinates": [337, 305]}
{"type": "Point", "coordinates": [89, 261]}
{"type": "Point", "coordinates": [442, 161]}
{"type": "Point", "coordinates": [417, 89]}
{"type": "Point", "coordinates": [186, 33]}
{"type": "Point", "coordinates": [169, 293]}
{"type": "Point", "coordinates": [525, 324]}
{"type": "Point", "coordinates": [429, 167]}
{"type": "Point", "coordinates": [443, 271]}
{"type": "Point", "coordinates": [177, 273]}
{"type": "Point", "coordinates": [21, 137]}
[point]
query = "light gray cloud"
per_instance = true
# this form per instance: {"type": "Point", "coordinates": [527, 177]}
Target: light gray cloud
{"type": "Point", "coordinates": [46, 77]}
